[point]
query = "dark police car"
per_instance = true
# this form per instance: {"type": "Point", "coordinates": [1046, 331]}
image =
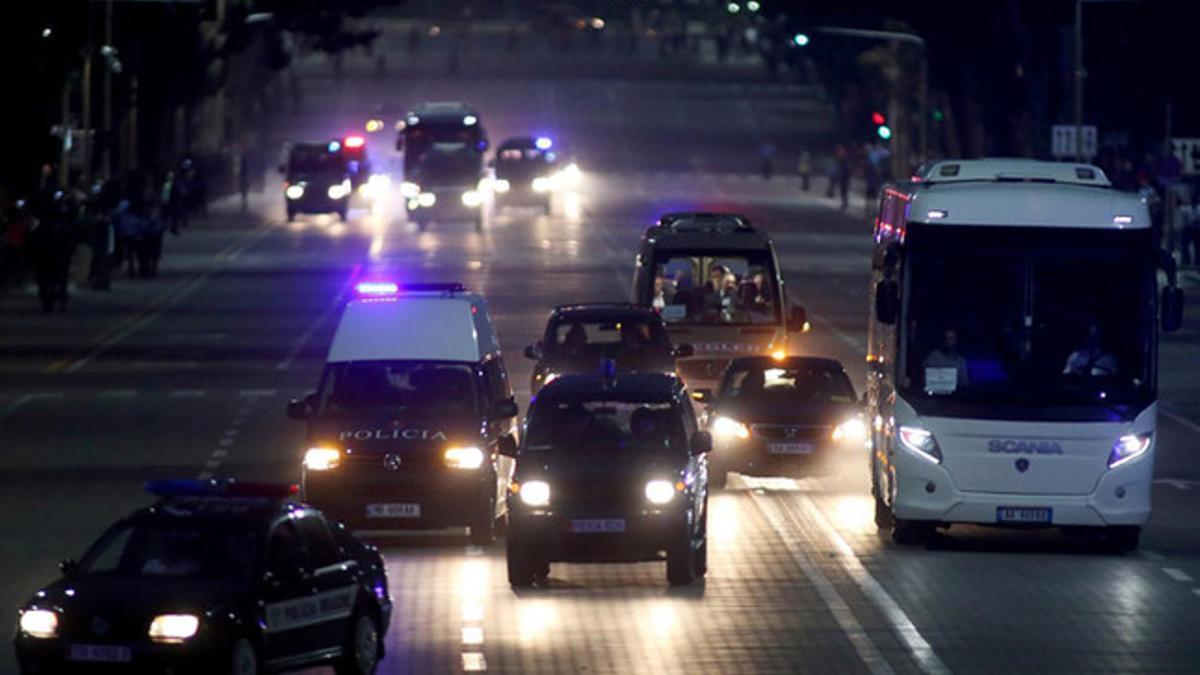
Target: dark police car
{"type": "Point", "coordinates": [216, 577]}
{"type": "Point", "coordinates": [317, 180]}
{"type": "Point", "coordinates": [525, 167]}
{"type": "Point", "coordinates": [612, 469]}
{"type": "Point", "coordinates": [579, 337]}
{"type": "Point", "coordinates": [780, 416]}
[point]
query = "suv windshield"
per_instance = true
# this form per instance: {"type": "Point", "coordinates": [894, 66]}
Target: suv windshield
{"type": "Point", "coordinates": [707, 289]}
{"type": "Point", "coordinates": [176, 548]}
{"type": "Point", "coordinates": [572, 338]}
{"type": "Point", "coordinates": [397, 387]}
{"type": "Point", "coordinates": [578, 426]}
{"type": "Point", "coordinates": [788, 384]}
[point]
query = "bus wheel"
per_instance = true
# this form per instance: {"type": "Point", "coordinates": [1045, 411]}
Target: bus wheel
{"type": "Point", "coordinates": [883, 515]}
{"type": "Point", "coordinates": [911, 532]}
{"type": "Point", "coordinates": [1123, 538]}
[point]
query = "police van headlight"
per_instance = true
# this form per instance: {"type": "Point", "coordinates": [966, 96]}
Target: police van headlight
{"type": "Point", "coordinates": [921, 443]}
{"type": "Point", "coordinates": [661, 491]}
{"type": "Point", "coordinates": [542, 184]}
{"type": "Point", "coordinates": [340, 190]}
{"type": "Point", "coordinates": [426, 199]}
{"type": "Point", "coordinates": [726, 427]}
{"type": "Point", "coordinates": [174, 628]}
{"type": "Point", "coordinates": [410, 190]}
{"type": "Point", "coordinates": [1128, 448]}
{"type": "Point", "coordinates": [472, 198]}
{"type": "Point", "coordinates": [294, 191]}
{"type": "Point", "coordinates": [322, 459]}
{"type": "Point", "coordinates": [535, 493]}
{"type": "Point", "coordinates": [39, 623]}
{"type": "Point", "coordinates": [852, 429]}
{"type": "Point", "coordinates": [469, 457]}
{"type": "Point", "coordinates": [502, 185]}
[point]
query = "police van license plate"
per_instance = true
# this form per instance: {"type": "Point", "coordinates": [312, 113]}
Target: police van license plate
{"type": "Point", "coordinates": [393, 510]}
{"type": "Point", "coordinates": [790, 448]}
{"type": "Point", "coordinates": [101, 653]}
{"type": "Point", "coordinates": [1023, 514]}
{"type": "Point", "coordinates": [597, 525]}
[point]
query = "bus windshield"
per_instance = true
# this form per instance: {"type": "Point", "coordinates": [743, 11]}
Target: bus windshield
{"type": "Point", "coordinates": [705, 288]}
{"type": "Point", "coordinates": [1029, 316]}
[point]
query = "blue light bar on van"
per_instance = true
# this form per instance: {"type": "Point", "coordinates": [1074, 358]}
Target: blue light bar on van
{"type": "Point", "coordinates": [544, 143]}
{"type": "Point", "coordinates": [377, 288]}
{"type": "Point", "coordinates": [187, 487]}
{"type": "Point", "coordinates": [384, 289]}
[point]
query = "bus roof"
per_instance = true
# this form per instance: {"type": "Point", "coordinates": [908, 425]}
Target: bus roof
{"type": "Point", "coordinates": [707, 232]}
{"type": "Point", "coordinates": [995, 170]}
{"type": "Point", "coordinates": [1020, 204]}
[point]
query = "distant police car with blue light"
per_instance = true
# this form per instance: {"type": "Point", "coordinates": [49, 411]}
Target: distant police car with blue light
{"type": "Point", "coordinates": [612, 469]}
{"type": "Point", "coordinates": [406, 424]}
{"type": "Point", "coordinates": [216, 577]}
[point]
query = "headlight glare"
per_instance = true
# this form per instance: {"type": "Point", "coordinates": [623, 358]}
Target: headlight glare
{"type": "Point", "coordinates": [502, 185]}
{"type": "Point", "coordinates": [852, 429]}
{"type": "Point", "coordinates": [535, 493]}
{"type": "Point", "coordinates": [541, 184]}
{"type": "Point", "coordinates": [921, 443]}
{"type": "Point", "coordinates": [726, 427]}
{"type": "Point", "coordinates": [469, 457]}
{"type": "Point", "coordinates": [410, 189]}
{"type": "Point", "coordinates": [294, 191]}
{"type": "Point", "coordinates": [426, 199]}
{"type": "Point", "coordinates": [174, 628]}
{"type": "Point", "coordinates": [472, 198]}
{"type": "Point", "coordinates": [322, 459]}
{"type": "Point", "coordinates": [39, 623]}
{"type": "Point", "coordinates": [660, 491]}
{"type": "Point", "coordinates": [1128, 448]}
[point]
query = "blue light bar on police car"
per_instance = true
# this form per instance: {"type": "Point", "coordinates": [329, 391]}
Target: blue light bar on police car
{"type": "Point", "coordinates": [544, 143]}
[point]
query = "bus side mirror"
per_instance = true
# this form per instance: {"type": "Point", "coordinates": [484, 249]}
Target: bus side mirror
{"type": "Point", "coordinates": [302, 408]}
{"type": "Point", "coordinates": [887, 301]}
{"type": "Point", "coordinates": [533, 352]}
{"type": "Point", "coordinates": [1171, 308]}
{"type": "Point", "coordinates": [507, 446]}
{"type": "Point", "coordinates": [798, 321]}
{"type": "Point", "coordinates": [683, 351]}
{"type": "Point", "coordinates": [505, 409]}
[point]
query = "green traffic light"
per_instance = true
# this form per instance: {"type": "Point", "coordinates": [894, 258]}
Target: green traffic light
{"type": "Point", "coordinates": [884, 131]}
{"type": "Point", "coordinates": [800, 40]}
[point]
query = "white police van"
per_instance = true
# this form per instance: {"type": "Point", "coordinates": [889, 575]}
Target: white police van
{"type": "Point", "coordinates": [407, 422]}
{"type": "Point", "coordinates": [1013, 350]}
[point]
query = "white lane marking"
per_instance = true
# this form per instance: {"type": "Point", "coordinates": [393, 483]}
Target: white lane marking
{"type": "Point", "coordinates": [841, 335]}
{"type": "Point", "coordinates": [186, 393]}
{"type": "Point", "coordinates": [472, 612]}
{"type": "Point", "coordinates": [473, 662]}
{"type": "Point", "coordinates": [1153, 556]}
{"type": "Point", "coordinates": [257, 393]}
{"type": "Point", "coordinates": [472, 635]}
{"type": "Point", "coordinates": [901, 623]}
{"type": "Point", "coordinates": [117, 393]}
{"type": "Point", "coordinates": [220, 453]}
{"type": "Point", "coordinates": [858, 637]}
{"type": "Point", "coordinates": [1196, 592]}
{"type": "Point", "coordinates": [1180, 419]}
{"type": "Point", "coordinates": [205, 475]}
{"type": "Point", "coordinates": [212, 464]}
{"type": "Point", "coordinates": [1177, 574]}
{"type": "Point", "coordinates": [27, 398]}
{"type": "Point", "coordinates": [1177, 483]}
{"type": "Point", "coordinates": [226, 442]}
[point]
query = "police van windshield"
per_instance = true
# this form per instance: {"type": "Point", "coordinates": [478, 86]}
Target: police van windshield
{"type": "Point", "coordinates": [397, 387]}
{"type": "Point", "coordinates": [313, 161]}
{"type": "Point", "coordinates": [707, 289]}
{"type": "Point", "coordinates": [1029, 316]}
{"type": "Point", "coordinates": [787, 385]}
{"type": "Point", "coordinates": [578, 426]}
{"type": "Point", "coordinates": [441, 137]}
{"type": "Point", "coordinates": [571, 338]}
{"type": "Point", "coordinates": [179, 549]}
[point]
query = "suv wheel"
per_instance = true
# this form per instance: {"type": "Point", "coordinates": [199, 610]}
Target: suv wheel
{"type": "Point", "coordinates": [360, 654]}
{"type": "Point", "coordinates": [483, 532]}
{"type": "Point", "coordinates": [681, 563]}
{"type": "Point", "coordinates": [522, 568]}
{"type": "Point", "coordinates": [1123, 539]}
{"type": "Point", "coordinates": [243, 658]}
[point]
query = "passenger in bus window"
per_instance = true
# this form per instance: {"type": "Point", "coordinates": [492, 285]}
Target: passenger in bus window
{"type": "Point", "coordinates": [945, 366]}
{"type": "Point", "coordinates": [1091, 359]}
{"type": "Point", "coordinates": [756, 297]}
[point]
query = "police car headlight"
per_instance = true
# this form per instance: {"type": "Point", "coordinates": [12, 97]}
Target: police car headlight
{"type": "Point", "coordinates": [921, 443]}
{"type": "Point", "coordinates": [660, 491]}
{"type": "Point", "coordinates": [464, 458]}
{"type": "Point", "coordinates": [726, 427]}
{"type": "Point", "coordinates": [472, 198]}
{"type": "Point", "coordinates": [542, 184]}
{"type": "Point", "coordinates": [502, 185]}
{"type": "Point", "coordinates": [322, 459]}
{"type": "Point", "coordinates": [426, 199]}
{"type": "Point", "coordinates": [410, 190]}
{"type": "Point", "coordinates": [852, 429]}
{"type": "Point", "coordinates": [340, 190]}
{"type": "Point", "coordinates": [1128, 448]}
{"type": "Point", "coordinates": [294, 191]}
{"type": "Point", "coordinates": [39, 623]}
{"type": "Point", "coordinates": [535, 493]}
{"type": "Point", "coordinates": [174, 628]}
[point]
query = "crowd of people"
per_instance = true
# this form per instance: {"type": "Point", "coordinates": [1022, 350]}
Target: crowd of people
{"type": "Point", "coordinates": [77, 235]}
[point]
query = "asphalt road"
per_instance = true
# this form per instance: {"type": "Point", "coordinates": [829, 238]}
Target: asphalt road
{"type": "Point", "coordinates": [188, 375]}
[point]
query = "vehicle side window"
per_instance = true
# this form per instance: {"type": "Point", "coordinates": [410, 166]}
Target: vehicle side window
{"type": "Point", "coordinates": [285, 551]}
{"type": "Point", "coordinates": [322, 549]}
{"type": "Point", "coordinates": [496, 381]}
{"type": "Point", "coordinates": [689, 420]}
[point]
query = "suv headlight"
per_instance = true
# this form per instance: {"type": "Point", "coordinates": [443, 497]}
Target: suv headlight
{"type": "Point", "coordinates": [852, 429]}
{"type": "Point", "coordinates": [726, 427]}
{"type": "Point", "coordinates": [535, 493]}
{"type": "Point", "coordinates": [469, 457]}
{"type": "Point", "coordinates": [502, 185]}
{"type": "Point", "coordinates": [472, 198]}
{"type": "Point", "coordinates": [921, 443]}
{"type": "Point", "coordinates": [1128, 448]}
{"type": "Point", "coordinates": [660, 491]}
{"type": "Point", "coordinates": [294, 191]}
{"type": "Point", "coordinates": [410, 189]}
{"type": "Point", "coordinates": [174, 628]}
{"type": "Point", "coordinates": [322, 459]}
{"type": "Point", "coordinates": [39, 623]}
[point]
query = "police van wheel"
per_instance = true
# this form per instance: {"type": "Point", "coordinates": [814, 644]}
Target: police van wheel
{"type": "Point", "coordinates": [243, 658]}
{"type": "Point", "coordinates": [522, 568]}
{"type": "Point", "coordinates": [883, 515]}
{"type": "Point", "coordinates": [681, 563]}
{"type": "Point", "coordinates": [1123, 539]}
{"type": "Point", "coordinates": [360, 654]}
{"type": "Point", "coordinates": [911, 532]}
{"type": "Point", "coordinates": [291, 215]}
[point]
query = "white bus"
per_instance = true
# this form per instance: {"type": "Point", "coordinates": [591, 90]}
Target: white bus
{"type": "Point", "coordinates": [1013, 350]}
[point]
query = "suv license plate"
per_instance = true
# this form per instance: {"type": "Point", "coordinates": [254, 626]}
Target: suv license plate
{"type": "Point", "coordinates": [393, 510]}
{"type": "Point", "coordinates": [595, 525]}
{"type": "Point", "coordinates": [1023, 514]}
{"type": "Point", "coordinates": [790, 448]}
{"type": "Point", "coordinates": [101, 653]}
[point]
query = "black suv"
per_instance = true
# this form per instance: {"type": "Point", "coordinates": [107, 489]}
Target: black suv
{"type": "Point", "coordinates": [612, 469]}
{"type": "Point", "coordinates": [216, 577]}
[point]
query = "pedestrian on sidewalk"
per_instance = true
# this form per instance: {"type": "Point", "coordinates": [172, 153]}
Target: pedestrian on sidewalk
{"type": "Point", "coordinates": [52, 244]}
{"type": "Point", "coordinates": [168, 197]}
{"type": "Point", "coordinates": [150, 244]}
{"type": "Point", "coordinates": [244, 178]}
{"type": "Point", "coordinates": [1190, 236]}
{"type": "Point", "coordinates": [805, 168]}
{"type": "Point", "coordinates": [16, 244]}
{"type": "Point", "coordinates": [127, 227]}
{"type": "Point", "coordinates": [767, 152]}
{"type": "Point", "coordinates": [843, 171]}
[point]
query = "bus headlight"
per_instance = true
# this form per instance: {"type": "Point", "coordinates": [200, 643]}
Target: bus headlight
{"type": "Point", "coordinates": [410, 190]}
{"type": "Point", "coordinates": [660, 491]}
{"type": "Point", "coordinates": [322, 459]}
{"type": "Point", "coordinates": [502, 185]}
{"type": "Point", "coordinates": [852, 429]}
{"type": "Point", "coordinates": [472, 198]}
{"type": "Point", "coordinates": [542, 184]}
{"type": "Point", "coordinates": [39, 623]}
{"type": "Point", "coordinates": [726, 427]}
{"type": "Point", "coordinates": [174, 628]}
{"type": "Point", "coordinates": [1128, 448]}
{"type": "Point", "coordinates": [921, 443]}
{"type": "Point", "coordinates": [294, 191]}
{"type": "Point", "coordinates": [469, 457]}
{"type": "Point", "coordinates": [535, 493]}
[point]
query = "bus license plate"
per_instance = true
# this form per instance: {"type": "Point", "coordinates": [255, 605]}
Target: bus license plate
{"type": "Point", "coordinates": [101, 653]}
{"type": "Point", "coordinates": [597, 525]}
{"type": "Point", "coordinates": [790, 448]}
{"type": "Point", "coordinates": [393, 510]}
{"type": "Point", "coordinates": [1023, 514]}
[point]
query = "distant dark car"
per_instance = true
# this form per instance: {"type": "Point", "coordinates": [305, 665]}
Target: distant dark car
{"type": "Point", "coordinates": [579, 337]}
{"type": "Point", "coordinates": [612, 469]}
{"type": "Point", "coordinates": [217, 577]}
{"type": "Point", "coordinates": [780, 417]}
{"type": "Point", "coordinates": [316, 180]}
{"type": "Point", "coordinates": [525, 168]}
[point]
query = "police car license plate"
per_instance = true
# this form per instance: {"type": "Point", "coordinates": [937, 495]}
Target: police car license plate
{"type": "Point", "coordinates": [790, 448]}
{"type": "Point", "coordinates": [1023, 514]}
{"type": "Point", "coordinates": [597, 525]}
{"type": "Point", "coordinates": [101, 653]}
{"type": "Point", "coordinates": [393, 510]}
